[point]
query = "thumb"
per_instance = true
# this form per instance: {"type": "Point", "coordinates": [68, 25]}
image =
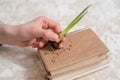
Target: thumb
{"type": "Point", "coordinates": [49, 35]}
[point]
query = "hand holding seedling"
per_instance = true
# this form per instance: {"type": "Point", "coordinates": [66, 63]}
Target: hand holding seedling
{"type": "Point", "coordinates": [55, 45]}
{"type": "Point", "coordinates": [35, 33]}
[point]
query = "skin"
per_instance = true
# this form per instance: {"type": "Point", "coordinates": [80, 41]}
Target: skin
{"type": "Point", "coordinates": [35, 33]}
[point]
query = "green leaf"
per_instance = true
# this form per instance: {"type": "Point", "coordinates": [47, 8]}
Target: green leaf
{"type": "Point", "coordinates": [75, 21]}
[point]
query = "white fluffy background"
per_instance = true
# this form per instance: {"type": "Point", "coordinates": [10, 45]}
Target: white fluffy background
{"type": "Point", "coordinates": [23, 63]}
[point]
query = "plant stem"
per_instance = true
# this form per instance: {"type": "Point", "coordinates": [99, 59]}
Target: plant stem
{"type": "Point", "coordinates": [70, 26]}
{"type": "Point", "coordinates": [75, 21]}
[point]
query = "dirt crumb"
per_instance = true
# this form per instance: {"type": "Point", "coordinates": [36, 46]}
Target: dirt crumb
{"type": "Point", "coordinates": [53, 61]}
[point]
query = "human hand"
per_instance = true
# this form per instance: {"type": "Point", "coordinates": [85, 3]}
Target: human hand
{"type": "Point", "coordinates": [38, 32]}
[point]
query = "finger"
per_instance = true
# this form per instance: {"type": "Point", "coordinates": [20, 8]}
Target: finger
{"type": "Point", "coordinates": [35, 44]}
{"type": "Point", "coordinates": [49, 35]}
{"type": "Point", "coordinates": [39, 42]}
{"type": "Point", "coordinates": [60, 46]}
{"type": "Point", "coordinates": [52, 24]}
{"type": "Point", "coordinates": [32, 41]}
{"type": "Point", "coordinates": [42, 43]}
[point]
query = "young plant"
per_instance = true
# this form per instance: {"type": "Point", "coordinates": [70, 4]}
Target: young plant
{"type": "Point", "coordinates": [70, 26]}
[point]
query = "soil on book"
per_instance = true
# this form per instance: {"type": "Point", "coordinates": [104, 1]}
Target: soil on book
{"type": "Point", "coordinates": [57, 52]}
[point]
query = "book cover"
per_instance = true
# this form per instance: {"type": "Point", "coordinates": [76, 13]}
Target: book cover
{"type": "Point", "coordinates": [79, 46]}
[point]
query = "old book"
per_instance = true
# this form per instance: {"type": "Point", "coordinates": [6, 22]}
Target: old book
{"type": "Point", "coordinates": [77, 73]}
{"type": "Point", "coordinates": [83, 50]}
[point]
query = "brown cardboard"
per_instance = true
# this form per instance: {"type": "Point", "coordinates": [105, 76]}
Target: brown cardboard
{"type": "Point", "coordinates": [79, 46]}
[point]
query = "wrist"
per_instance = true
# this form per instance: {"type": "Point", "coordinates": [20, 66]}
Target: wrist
{"type": "Point", "coordinates": [24, 32]}
{"type": "Point", "coordinates": [7, 33]}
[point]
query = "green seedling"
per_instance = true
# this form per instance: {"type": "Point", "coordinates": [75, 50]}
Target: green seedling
{"type": "Point", "coordinates": [68, 28]}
